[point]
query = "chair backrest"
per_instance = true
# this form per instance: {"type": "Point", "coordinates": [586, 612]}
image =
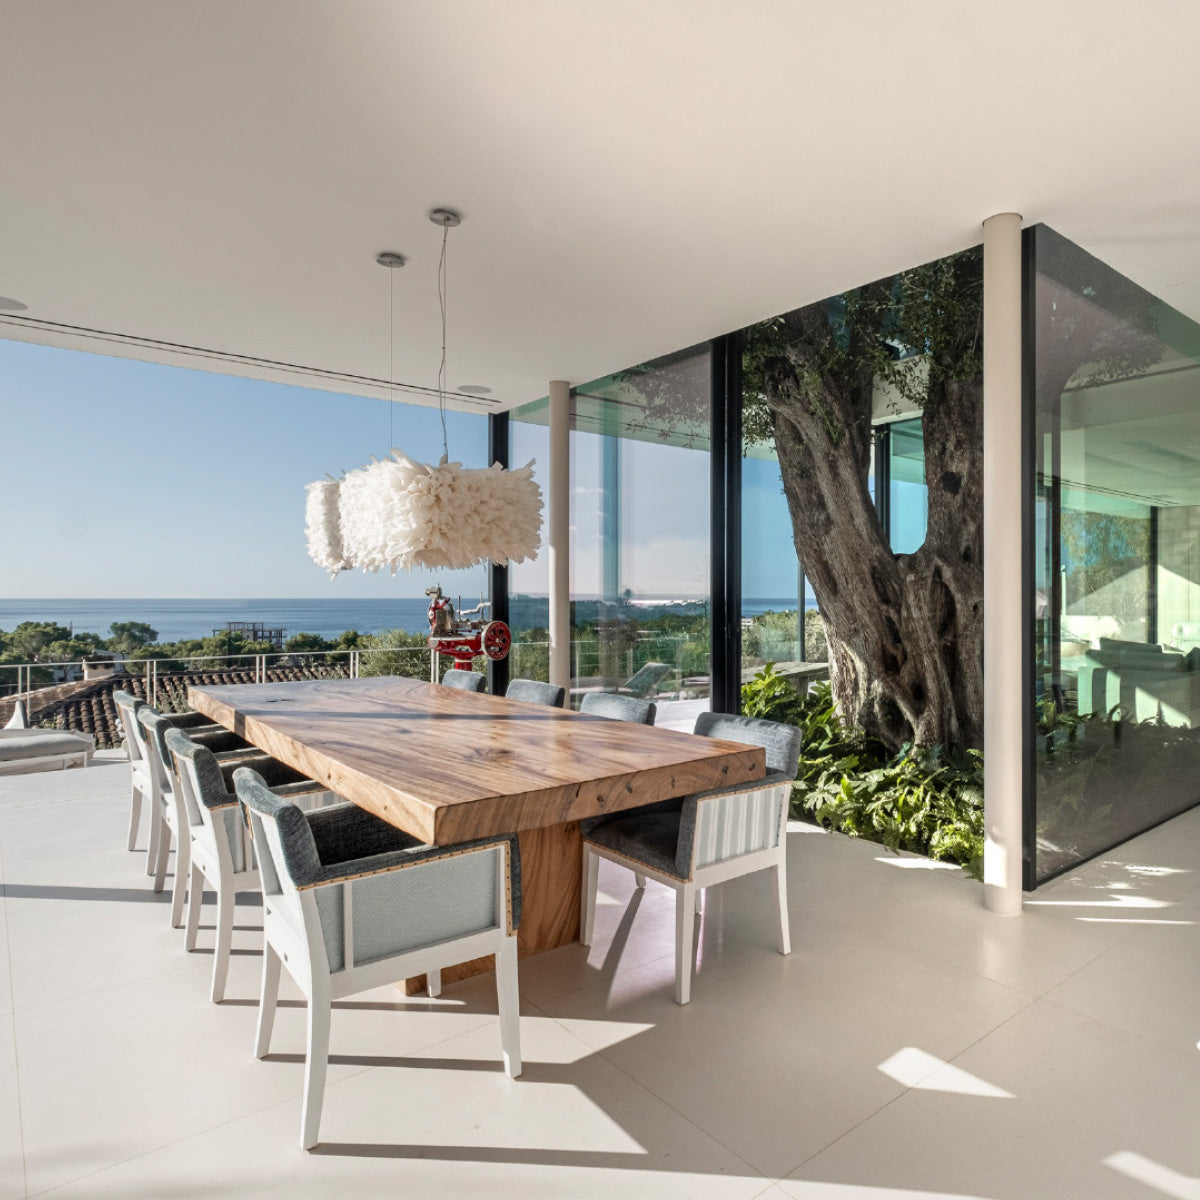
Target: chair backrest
{"type": "Point", "coordinates": [781, 742]}
{"type": "Point", "coordinates": [127, 706]}
{"type": "Point", "coordinates": [619, 708]}
{"type": "Point", "coordinates": [286, 851]}
{"type": "Point", "coordinates": [213, 812]}
{"type": "Point", "coordinates": [533, 691]}
{"type": "Point", "coordinates": [153, 728]}
{"type": "Point", "coordinates": [465, 681]}
{"type": "Point", "coordinates": [738, 821]}
{"type": "Point", "coordinates": [19, 718]}
{"type": "Point", "coordinates": [200, 775]}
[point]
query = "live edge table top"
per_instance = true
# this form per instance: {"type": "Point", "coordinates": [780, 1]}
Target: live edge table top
{"type": "Point", "coordinates": [448, 766]}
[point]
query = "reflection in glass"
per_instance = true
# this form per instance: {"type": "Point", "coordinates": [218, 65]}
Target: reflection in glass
{"type": "Point", "coordinates": [640, 560]}
{"type": "Point", "coordinates": [1117, 557]}
{"type": "Point", "coordinates": [908, 502]}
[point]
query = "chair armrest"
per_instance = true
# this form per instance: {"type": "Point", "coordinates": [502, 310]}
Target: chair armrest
{"type": "Point", "coordinates": [189, 720]}
{"type": "Point", "coordinates": [398, 860]}
{"type": "Point", "coordinates": [206, 731]}
{"type": "Point", "coordinates": [308, 787]}
{"type": "Point", "coordinates": [274, 773]}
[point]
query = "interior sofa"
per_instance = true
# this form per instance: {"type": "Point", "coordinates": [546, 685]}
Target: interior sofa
{"type": "Point", "coordinates": [1144, 681]}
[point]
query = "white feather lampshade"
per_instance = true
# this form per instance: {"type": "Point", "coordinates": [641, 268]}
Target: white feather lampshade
{"type": "Point", "coordinates": [322, 525]}
{"type": "Point", "coordinates": [402, 514]}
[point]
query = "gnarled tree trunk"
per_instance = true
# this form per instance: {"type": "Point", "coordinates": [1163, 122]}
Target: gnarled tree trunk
{"type": "Point", "coordinates": [905, 631]}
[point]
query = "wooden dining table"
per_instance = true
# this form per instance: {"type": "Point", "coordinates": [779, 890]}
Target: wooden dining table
{"type": "Point", "coordinates": [449, 766]}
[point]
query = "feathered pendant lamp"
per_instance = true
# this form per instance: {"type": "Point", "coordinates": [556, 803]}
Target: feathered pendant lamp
{"type": "Point", "coordinates": [400, 514]}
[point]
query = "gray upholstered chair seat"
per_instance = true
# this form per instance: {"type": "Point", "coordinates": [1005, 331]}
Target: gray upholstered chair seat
{"type": "Point", "coordinates": [645, 837]}
{"type": "Point", "coordinates": [200, 727]}
{"type": "Point", "coordinates": [274, 773]}
{"type": "Point", "coordinates": [344, 832]}
{"type": "Point", "coordinates": [217, 738]}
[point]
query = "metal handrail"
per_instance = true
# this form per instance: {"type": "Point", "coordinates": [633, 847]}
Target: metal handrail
{"type": "Point", "coordinates": [150, 666]}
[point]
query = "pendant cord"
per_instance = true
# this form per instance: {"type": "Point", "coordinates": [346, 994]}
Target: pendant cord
{"type": "Point", "coordinates": [391, 403]}
{"type": "Point", "coordinates": [442, 367]}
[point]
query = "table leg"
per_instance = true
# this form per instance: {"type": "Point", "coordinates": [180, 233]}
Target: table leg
{"type": "Point", "coordinates": [551, 878]}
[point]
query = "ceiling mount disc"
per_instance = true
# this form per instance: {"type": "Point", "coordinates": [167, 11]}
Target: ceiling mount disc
{"type": "Point", "coordinates": [446, 217]}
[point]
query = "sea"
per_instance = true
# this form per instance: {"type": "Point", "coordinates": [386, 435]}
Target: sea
{"type": "Point", "coordinates": [175, 620]}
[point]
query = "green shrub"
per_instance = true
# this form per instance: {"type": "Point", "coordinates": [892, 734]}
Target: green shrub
{"type": "Point", "coordinates": [395, 652]}
{"type": "Point", "coordinates": [927, 800]}
{"type": "Point", "coordinates": [770, 696]}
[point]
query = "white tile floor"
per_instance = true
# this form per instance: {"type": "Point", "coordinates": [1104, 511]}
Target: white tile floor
{"type": "Point", "coordinates": [912, 1045]}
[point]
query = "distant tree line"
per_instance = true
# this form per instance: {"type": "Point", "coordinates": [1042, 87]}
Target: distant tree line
{"type": "Point", "coordinates": [135, 642]}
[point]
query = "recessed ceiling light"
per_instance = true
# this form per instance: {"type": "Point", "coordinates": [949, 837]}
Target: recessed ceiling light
{"type": "Point", "coordinates": [9, 305]}
{"type": "Point", "coordinates": [475, 389]}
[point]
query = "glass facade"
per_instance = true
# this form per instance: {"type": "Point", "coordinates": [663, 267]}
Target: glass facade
{"type": "Point", "coordinates": [640, 554]}
{"type": "Point", "coordinates": [780, 619]}
{"type": "Point", "coordinates": [1113, 424]}
{"type": "Point", "coordinates": [1116, 557]}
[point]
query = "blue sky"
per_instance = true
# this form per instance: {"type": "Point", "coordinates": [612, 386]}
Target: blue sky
{"type": "Point", "coordinates": [125, 478]}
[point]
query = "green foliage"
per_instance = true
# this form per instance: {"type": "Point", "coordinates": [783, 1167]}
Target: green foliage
{"type": "Point", "coordinates": [394, 652]}
{"type": "Point", "coordinates": [929, 801]}
{"type": "Point", "coordinates": [771, 697]}
{"type": "Point", "coordinates": [773, 637]}
{"type": "Point", "coordinates": [867, 335]}
{"type": "Point", "coordinates": [301, 643]}
{"type": "Point", "coordinates": [130, 635]}
{"type": "Point", "coordinates": [530, 655]}
{"type": "Point", "coordinates": [31, 641]}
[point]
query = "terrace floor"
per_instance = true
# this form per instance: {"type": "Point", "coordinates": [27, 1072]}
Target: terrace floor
{"type": "Point", "coordinates": [913, 1045]}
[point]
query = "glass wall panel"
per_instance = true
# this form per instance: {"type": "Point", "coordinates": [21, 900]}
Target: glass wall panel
{"type": "Point", "coordinates": [640, 527]}
{"type": "Point", "coordinates": [1116, 527]}
{"type": "Point", "coordinates": [780, 621]}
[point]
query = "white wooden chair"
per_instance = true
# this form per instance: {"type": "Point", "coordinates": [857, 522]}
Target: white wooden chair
{"type": "Point", "coordinates": [139, 770]}
{"type": "Point", "coordinates": [349, 903]}
{"type": "Point", "coordinates": [704, 839]}
{"type": "Point", "coordinates": [219, 847]}
{"type": "Point", "coordinates": [168, 804]}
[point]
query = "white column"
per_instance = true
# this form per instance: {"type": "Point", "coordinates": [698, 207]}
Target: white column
{"type": "Point", "coordinates": [560, 533]}
{"type": "Point", "coordinates": [1003, 651]}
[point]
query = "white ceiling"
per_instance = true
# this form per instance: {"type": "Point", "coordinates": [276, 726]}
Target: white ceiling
{"type": "Point", "coordinates": [635, 175]}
